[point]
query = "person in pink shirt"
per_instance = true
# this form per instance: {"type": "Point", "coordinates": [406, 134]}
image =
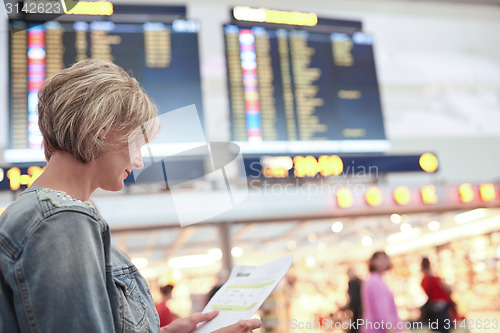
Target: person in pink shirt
{"type": "Point", "coordinates": [380, 314]}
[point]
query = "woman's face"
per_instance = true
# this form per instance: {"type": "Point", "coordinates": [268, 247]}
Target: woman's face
{"type": "Point", "coordinates": [382, 263]}
{"type": "Point", "coordinates": [117, 161]}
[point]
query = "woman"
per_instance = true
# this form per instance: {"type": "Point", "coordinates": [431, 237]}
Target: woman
{"type": "Point", "coordinates": [59, 272]}
{"type": "Point", "coordinates": [380, 313]}
{"type": "Point", "coordinates": [439, 297]}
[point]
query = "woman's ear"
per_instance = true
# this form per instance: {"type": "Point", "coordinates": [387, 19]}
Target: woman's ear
{"type": "Point", "coordinates": [102, 134]}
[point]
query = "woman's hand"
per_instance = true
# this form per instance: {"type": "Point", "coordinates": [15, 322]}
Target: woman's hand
{"type": "Point", "coordinates": [243, 326]}
{"type": "Point", "coordinates": [186, 325]}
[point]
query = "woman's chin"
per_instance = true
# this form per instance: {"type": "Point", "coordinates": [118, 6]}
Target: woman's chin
{"type": "Point", "coordinates": [113, 187]}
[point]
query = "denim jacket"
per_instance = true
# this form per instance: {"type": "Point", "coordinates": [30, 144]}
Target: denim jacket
{"type": "Point", "coordinates": [60, 273]}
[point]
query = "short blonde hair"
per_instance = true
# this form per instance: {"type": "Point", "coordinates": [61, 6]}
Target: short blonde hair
{"type": "Point", "coordinates": [76, 104]}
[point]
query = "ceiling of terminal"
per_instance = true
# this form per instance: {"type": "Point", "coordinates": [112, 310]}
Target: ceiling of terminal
{"type": "Point", "coordinates": [485, 2]}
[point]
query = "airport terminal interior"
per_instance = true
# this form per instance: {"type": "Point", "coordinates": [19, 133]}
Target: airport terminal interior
{"type": "Point", "coordinates": [326, 130]}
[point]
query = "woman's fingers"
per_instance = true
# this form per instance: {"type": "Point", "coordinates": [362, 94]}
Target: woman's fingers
{"type": "Point", "coordinates": [243, 326]}
{"type": "Point", "coordinates": [200, 317]}
{"type": "Point", "coordinates": [248, 325]}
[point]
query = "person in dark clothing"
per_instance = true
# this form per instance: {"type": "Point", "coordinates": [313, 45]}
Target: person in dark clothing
{"type": "Point", "coordinates": [439, 297]}
{"type": "Point", "coordinates": [222, 277]}
{"type": "Point", "coordinates": [354, 292]}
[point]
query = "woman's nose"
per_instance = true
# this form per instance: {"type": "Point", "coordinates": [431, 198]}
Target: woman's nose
{"type": "Point", "coordinates": [137, 162]}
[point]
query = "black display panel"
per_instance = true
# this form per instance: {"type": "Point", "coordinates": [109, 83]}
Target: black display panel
{"type": "Point", "coordinates": [161, 52]}
{"type": "Point", "coordinates": [292, 90]}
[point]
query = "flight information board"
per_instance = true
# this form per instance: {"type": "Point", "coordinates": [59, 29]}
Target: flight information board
{"type": "Point", "coordinates": [303, 91]}
{"type": "Point", "coordinates": [162, 56]}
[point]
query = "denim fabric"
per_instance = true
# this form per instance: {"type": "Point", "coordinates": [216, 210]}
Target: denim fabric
{"type": "Point", "coordinates": [60, 273]}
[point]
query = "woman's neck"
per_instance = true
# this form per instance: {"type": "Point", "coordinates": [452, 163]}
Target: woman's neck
{"type": "Point", "coordinates": [65, 173]}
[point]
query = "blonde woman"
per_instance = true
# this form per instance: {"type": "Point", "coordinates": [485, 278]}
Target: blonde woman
{"type": "Point", "coordinates": [59, 271]}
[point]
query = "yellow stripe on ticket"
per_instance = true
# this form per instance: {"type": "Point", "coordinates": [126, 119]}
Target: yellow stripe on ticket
{"type": "Point", "coordinates": [233, 307]}
{"type": "Point", "coordinates": [250, 286]}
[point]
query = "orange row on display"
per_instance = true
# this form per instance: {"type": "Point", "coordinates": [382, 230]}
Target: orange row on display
{"type": "Point", "coordinates": [427, 194]}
